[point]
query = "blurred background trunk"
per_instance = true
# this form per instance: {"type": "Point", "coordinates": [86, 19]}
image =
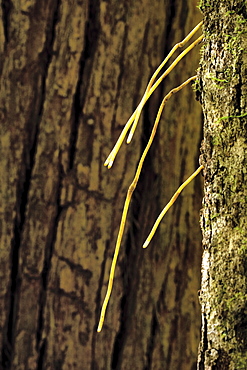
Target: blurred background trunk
{"type": "Point", "coordinates": [72, 72]}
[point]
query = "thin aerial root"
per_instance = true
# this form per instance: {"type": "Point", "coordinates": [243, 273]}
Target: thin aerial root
{"type": "Point", "coordinates": [133, 120]}
{"type": "Point", "coordinates": [149, 89]}
{"type": "Point", "coordinates": [168, 206]}
{"type": "Point", "coordinates": [173, 65]}
{"type": "Point", "coordinates": [110, 159]}
{"type": "Point", "coordinates": [128, 199]}
{"type": "Point", "coordinates": [114, 261]}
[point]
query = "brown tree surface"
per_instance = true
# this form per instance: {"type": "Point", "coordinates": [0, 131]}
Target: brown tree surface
{"type": "Point", "coordinates": [71, 74]}
{"type": "Point", "coordinates": [224, 156]}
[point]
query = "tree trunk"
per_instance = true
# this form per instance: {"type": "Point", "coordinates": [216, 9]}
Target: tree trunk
{"type": "Point", "coordinates": [224, 156]}
{"type": "Point", "coordinates": [71, 74]}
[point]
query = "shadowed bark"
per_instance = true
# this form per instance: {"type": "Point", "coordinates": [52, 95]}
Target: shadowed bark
{"type": "Point", "coordinates": [71, 74]}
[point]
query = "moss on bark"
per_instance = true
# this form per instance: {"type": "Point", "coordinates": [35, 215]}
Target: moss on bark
{"type": "Point", "coordinates": [224, 155]}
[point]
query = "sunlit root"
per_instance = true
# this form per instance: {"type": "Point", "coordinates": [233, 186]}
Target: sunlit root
{"type": "Point", "coordinates": [129, 196]}
{"type": "Point", "coordinates": [168, 206]}
{"type": "Point", "coordinates": [151, 87]}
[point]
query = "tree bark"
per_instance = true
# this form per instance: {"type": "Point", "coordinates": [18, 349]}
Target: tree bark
{"type": "Point", "coordinates": [224, 155]}
{"type": "Point", "coordinates": [71, 74]}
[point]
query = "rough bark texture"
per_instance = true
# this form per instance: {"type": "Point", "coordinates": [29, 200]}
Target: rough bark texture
{"type": "Point", "coordinates": [224, 154]}
{"type": "Point", "coordinates": [71, 74]}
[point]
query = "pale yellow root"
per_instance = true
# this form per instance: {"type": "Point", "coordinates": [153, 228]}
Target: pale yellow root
{"type": "Point", "coordinates": [146, 94]}
{"type": "Point", "coordinates": [128, 199]}
{"type": "Point", "coordinates": [133, 120]}
{"type": "Point", "coordinates": [168, 206]}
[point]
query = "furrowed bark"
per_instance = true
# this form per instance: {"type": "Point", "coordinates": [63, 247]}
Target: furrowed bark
{"type": "Point", "coordinates": [71, 75]}
{"type": "Point", "coordinates": [224, 156]}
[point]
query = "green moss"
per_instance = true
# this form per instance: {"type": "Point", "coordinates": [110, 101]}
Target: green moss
{"type": "Point", "coordinates": [196, 85]}
{"type": "Point", "coordinates": [216, 141]}
{"type": "Point", "coordinates": [214, 216]}
{"type": "Point", "coordinates": [202, 5]}
{"type": "Point", "coordinates": [240, 361]}
{"type": "Point", "coordinates": [228, 117]}
{"type": "Point", "coordinates": [219, 80]}
{"type": "Point", "coordinates": [220, 83]}
{"type": "Point", "coordinates": [233, 38]}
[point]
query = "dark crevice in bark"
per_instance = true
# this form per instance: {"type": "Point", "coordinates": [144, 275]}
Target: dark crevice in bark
{"type": "Point", "coordinates": [86, 64]}
{"type": "Point", "coordinates": [98, 304]}
{"type": "Point", "coordinates": [241, 8]}
{"type": "Point", "coordinates": [180, 281]}
{"type": "Point", "coordinates": [98, 300]}
{"type": "Point", "coordinates": [22, 195]}
{"type": "Point", "coordinates": [161, 298]}
{"type": "Point", "coordinates": [198, 159]}
{"type": "Point", "coordinates": [47, 53]}
{"type": "Point", "coordinates": [183, 16]}
{"type": "Point", "coordinates": [45, 58]}
{"type": "Point", "coordinates": [41, 355]}
{"type": "Point", "coordinates": [186, 253]}
{"type": "Point", "coordinates": [146, 131]}
{"type": "Point", "coordinates": [204, 344]}
{"type": "Point", "coordinates": [41, 343]}
{"type": "Point", "coordinates": [136, 96]}
{"type": "Point", "coordinates": [7, 5]}
{"type": "Point", "coordinates": [238, 97]}
{"type": "Point", "coordinates": [183, 155]}
{"type": "Point", "coordinates": [171, 14]}
{"type": "Point", "coordinates": [173, 336]}
{"type": "Point", "coordinates": [8, 344]}
{"type": "Point", "coordinates": [131, 266]}
{"type": "Point", "coordinates": [120, 337]}
{"type": "Point", "coordinates": [151, 342]}
{"type": "Point", "coordinates": [120, 77]}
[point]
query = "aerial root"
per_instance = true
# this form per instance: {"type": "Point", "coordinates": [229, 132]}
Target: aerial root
{"type": "Point", "coordinates": [151, 87]}
{"type": "Point", "coordinates": [168, 206]}
{"type": "Point", "coordinates": [130, 127]}
{"type": "Point", "coordinates": [129, 196]}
